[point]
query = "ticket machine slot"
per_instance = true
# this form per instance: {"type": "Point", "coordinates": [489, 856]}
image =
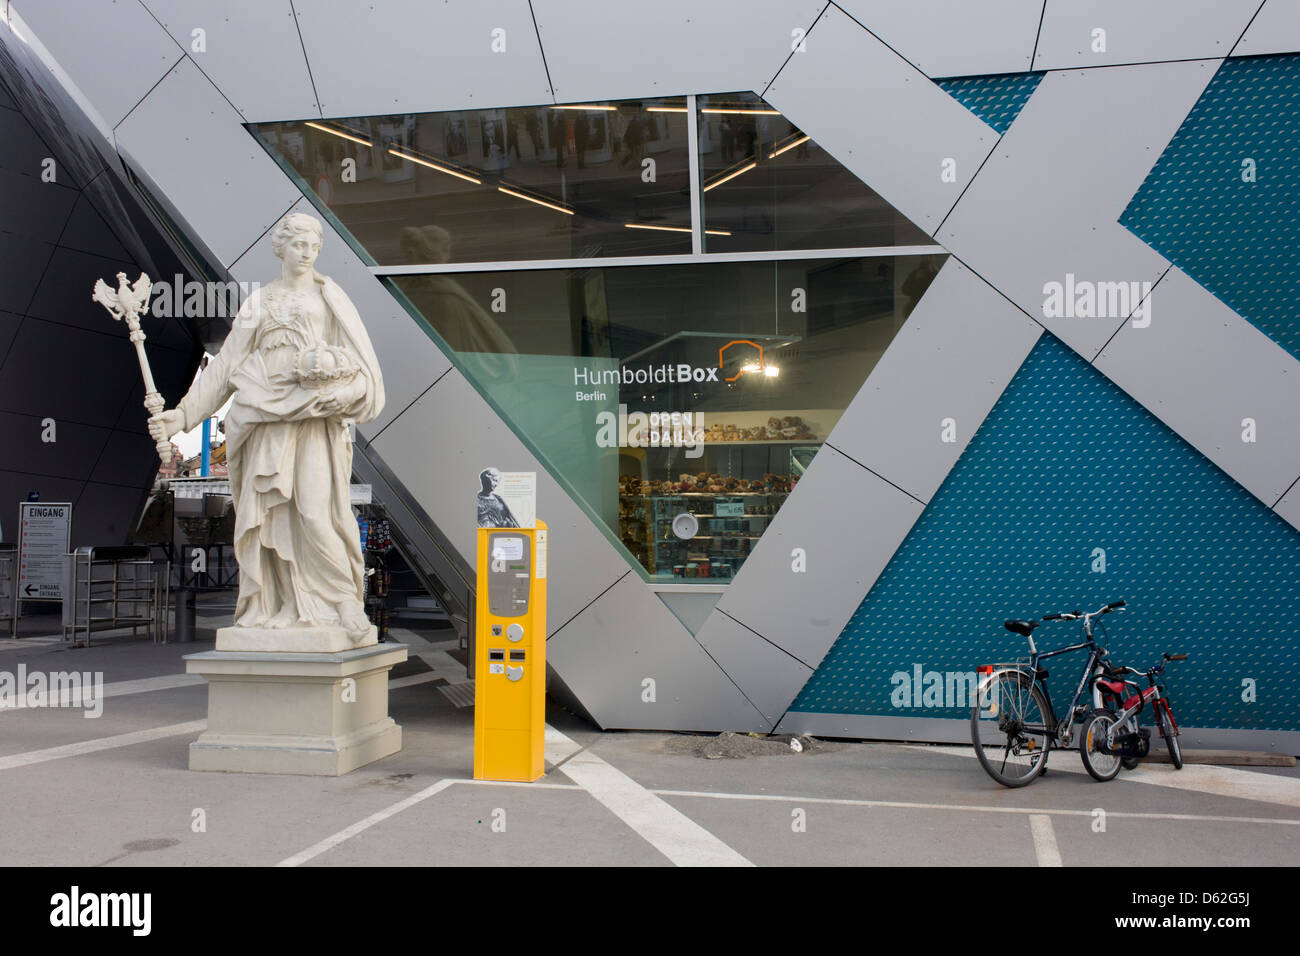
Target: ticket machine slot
{"type": "Point", "coordinates": [516, 655]}
{"type": "Point", "coordinates": [496, 655]}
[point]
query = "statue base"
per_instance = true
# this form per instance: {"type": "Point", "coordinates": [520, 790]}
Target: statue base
{"type": "Point", "coordinates": [293, 640]}
{"type": "Point", "coordinates": [320, 714]}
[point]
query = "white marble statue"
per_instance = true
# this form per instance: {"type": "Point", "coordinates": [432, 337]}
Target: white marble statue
{"type": "Point", "coordinates": [301, 369]}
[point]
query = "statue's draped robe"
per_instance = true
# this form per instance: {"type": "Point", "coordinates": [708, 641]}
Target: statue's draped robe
{"type": "Point", "coordinates": [296, 539]}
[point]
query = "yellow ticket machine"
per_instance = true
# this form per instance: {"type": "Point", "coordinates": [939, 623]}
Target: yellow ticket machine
{"type": "Point", "coordinates": [510, 654]}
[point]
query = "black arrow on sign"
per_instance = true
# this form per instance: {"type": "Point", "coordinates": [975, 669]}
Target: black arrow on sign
{"type": "Point", "coordinates": [29, 589]}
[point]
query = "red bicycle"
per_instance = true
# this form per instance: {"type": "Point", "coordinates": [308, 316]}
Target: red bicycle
{"type": "Point", "coordinates": [1109, 739]}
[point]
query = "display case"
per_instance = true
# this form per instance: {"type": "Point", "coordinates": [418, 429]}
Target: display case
{"type": "Point", "coordinates": [737, 487]}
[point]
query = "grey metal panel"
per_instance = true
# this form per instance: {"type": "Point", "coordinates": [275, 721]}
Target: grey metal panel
{"type": "Point", "coordinates": [940, 730]}
{"type": "Point", "coordinates": [101, 363]}
{"type": "Point", "coordinates": [86, 231]}
{"type": "Point", "coordinates": [33, 209]}
{"type": "Point", "coordinates": [114, 52]}
{"type": "Point", "coordinates": [1046, 204]}
{"type": "Point", "coordinates": [691, 607]}
{"type": "Point", "coordinates": [61, 116]}
{"type": "Point", "coordinates": [849, 523]}
{"type": "Point", "coordinates": [437, 448]}
{"type": "Point", "coordinates": [9, 322]}
{"type": "Point", "coordinates": [106, 514]}
{"type": "Point", "coordinates": [72, 454]}
{"type": "Point", "coordinates": [188, 140]}
{"type": "Point", "coordinates": [253, 53]}
{"type": "Point", "coordinates": [23, 261]}
{"type": "Point", "coordinates": [628, 636]}
{"type": "Point", "coordinates": [1201, 368]}
{"type": "Point", "coordinates": [935, 730]}
{"type": "Point", "coordinates": [14, 487]}
{"type": "Point", "coordinates": [129, 458]}
{"type": "Point", "coordinates": [1275, 29]}
{"type": "Point", "coordinates": [410, 360]}
{"type": "Point", "coordinates": [599, 51]}
{"type": "Point", "coordinates": [953, 357]}
{"type": "Point", "coordinates": [954, 37]}
{"type": "Point", "coordinates": [1139, 32]}
{"type": "Point", "coordinates": [1289, 506]}
{"type": "Point", "coordinates": [902, 126]}
{"type": "Point", "coordinates": [407, 56]}
{"type": "Point", "coordinates": [767, 676]}
{"type": "Point", "coordinates": [64, 292]}
{"type": "Point", "coordinates": [25, 151]}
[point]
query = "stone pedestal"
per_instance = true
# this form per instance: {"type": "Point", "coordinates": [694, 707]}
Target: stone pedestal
{"type": "Point", "coordinates": [323, 714]}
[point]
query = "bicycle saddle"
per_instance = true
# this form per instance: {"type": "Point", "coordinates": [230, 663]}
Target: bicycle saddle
{"type": "Point", "coordinates": [1023, 628]}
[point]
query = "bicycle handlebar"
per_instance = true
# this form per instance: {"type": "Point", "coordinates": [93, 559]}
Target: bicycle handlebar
{"type": "Point", "coordinates": [1076, 615]}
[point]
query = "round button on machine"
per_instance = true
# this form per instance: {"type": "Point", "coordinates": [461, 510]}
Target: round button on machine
{"type": "Point", "coordinates": [515, 632]}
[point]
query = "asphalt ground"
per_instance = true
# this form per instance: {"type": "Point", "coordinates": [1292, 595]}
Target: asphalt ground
{"type": "Point", "coordinates": [115, 791]}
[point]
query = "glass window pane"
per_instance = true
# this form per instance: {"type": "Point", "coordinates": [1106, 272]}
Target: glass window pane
{"type": "Point", "coordinates": [657, 391]}
{"type": "Point", "coordinates": [766, 186]}
{"type": "Point", "coordinates": [543, 182]}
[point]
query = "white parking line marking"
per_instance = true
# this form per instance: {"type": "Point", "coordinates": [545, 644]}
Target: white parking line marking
{"type": "Point", "coordinates": [1196, 778]}
{"type": "Point", "coordinates": [558, 747]}
{"type": "Point", "coordinates": [658, 822]}
{"type": "Point", "coordinates": [1045, 848]}
{"type": "Point", "coordinates": [967, 807]}
{"type": "Point", "coordinates": [330, 842]}
{"type": "Point", "coordinates": [101, 743]}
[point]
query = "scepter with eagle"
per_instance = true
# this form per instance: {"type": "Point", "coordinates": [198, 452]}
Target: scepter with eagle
{"type": "Point", "coordinates": [127, 303]}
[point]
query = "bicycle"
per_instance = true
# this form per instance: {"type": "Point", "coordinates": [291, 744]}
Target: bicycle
{"type": "Point", "coordinates": [1013, 722]}
{"type": "Point", "coordinates": [1109, 736]}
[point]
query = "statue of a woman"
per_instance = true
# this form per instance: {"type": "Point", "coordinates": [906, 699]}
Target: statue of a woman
{"type": "Point", "coordinates": [301, 369]}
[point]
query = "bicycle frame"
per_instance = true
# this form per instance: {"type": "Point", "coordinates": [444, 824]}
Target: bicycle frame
{"type": "Point", "coordinates": [1090, 673]}
{"type": "Point", "coordinates": [1153, 695]}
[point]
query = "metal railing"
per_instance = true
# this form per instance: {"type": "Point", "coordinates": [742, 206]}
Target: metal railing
{"type": "Point", "coordinates": [106, 588]}
{"type": "Point", "coordinates": [9, 587]}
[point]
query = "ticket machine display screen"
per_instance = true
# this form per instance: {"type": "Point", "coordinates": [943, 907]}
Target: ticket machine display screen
{"type": "Point", "coordinates": [509, 574]}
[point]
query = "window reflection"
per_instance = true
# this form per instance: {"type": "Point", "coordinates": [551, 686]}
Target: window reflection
{"type": "Point", "coordinates": [767, 186]}
{"type": "Point", "coordinates": [543, 182]}
{"type": "Point", "coordinates": [655, 391]}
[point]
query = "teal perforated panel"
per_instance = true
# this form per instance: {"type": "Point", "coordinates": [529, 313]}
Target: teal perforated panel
{"type": "Point", "coordinates": [1064, 465]}
{"type": "Point", "coordinates": [1228, 223]}
{"type": "Point", "coordinates": [997, 100]}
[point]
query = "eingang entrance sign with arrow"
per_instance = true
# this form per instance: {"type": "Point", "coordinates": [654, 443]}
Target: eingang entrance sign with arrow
{"type": "Point", "coordinates": [44, 535]}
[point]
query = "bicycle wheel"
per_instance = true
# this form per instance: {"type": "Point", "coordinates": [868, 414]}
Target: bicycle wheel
{"type": "Point", "coordinates": [1170, 735]}
{"type": "Point", "coordinates": [1102, 766]}
{"type": "Point", "coordinates": [1010, 732]}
